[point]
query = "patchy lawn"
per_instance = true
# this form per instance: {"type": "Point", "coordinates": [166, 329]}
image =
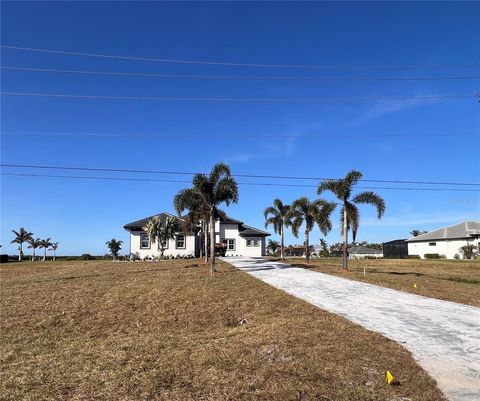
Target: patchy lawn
{"type": "Point", "coordinates": [166, 331]}
{"type": "Point", "coordinates": [451, 280]}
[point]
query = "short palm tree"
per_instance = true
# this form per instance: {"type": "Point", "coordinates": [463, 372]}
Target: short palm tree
{"type": "Point", "coordinates": [45, 244]}
{"type": "Point", "coordinates": [273, 246]}
{"type": "Point", "coordinates": [324, 252]}
{"type": "Point", "coordinates": [304, 211]}
{"type": "Point", "coordinates": [21, 236]}
{"type": "Point", "coordinates": [276, 215]}
{"type": "Point", "coordinates": [33, 243]}
{"type": "Point", "coordinates": [350, 215]}
{"type": "Point", "coordinates": [208, 192]}
{"type": "Point", "coordinates": [53, 248]}
{"type": "Point", "coordinates": [114, 246]}
{"type": "Point", "coordinates": [162, 232]}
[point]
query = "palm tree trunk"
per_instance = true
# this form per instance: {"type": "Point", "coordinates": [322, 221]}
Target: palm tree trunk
{"type": "Point", "coordinates": [205, 240]}
{"type": "Point", "coordinates": [212, 245]}
{"type": "Point", "coordinates": [20, 252]}
{"type": "Point", "coordinates": [307, 245]}
{"type": "Point", "coordinates": [33, 255]}
{"type": "Point", "coordinates": [345, 239]}
{"type": "Point", "coordinates": [54, 255]}
{"type": "Point", "coordinates": [282, 244]}
{"type": "Point", "coordinates": [201, 239]}
{"type": "Point", "coordinates": [44, 254]}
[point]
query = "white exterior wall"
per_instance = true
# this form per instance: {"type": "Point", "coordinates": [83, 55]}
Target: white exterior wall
{"type": "Point", "coordinates": [170, 251]}
{"type": "Point", "coordinates": [365, 255]}
{"type": "Point", "coordinates": [230, 231]}
{"type": "Point", "coordinates": [449, 248]}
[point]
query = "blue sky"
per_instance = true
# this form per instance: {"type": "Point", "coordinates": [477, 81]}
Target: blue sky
{"type": "Point", "coordinates": [254, 138]}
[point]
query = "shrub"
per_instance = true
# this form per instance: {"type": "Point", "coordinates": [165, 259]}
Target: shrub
{"type": "Point", "coordinates": [432, 256]}
{"type": "Point", "coordinates": [87, 256]}
{"type": "Point", "coordinates": [412, 257]}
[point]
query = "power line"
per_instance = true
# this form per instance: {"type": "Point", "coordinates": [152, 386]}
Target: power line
{"type": "Point", "coordinates": [217, 136]}
{"type": "Point", "coordinates": [238, 77]}
{"type": "Point", "coordinates": [274, 184]}
{"type": "Point", "coordinates": [248, 100]}
{"type": "Point", "coordinates": [234, 64]}
{"type": "Point", "coordinates": [117, 170]}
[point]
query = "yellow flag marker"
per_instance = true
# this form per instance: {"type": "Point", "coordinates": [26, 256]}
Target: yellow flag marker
{"type": "Point", "coordinates": [415, 285]}
{"type": "Point", "coordinates": [389, 377]}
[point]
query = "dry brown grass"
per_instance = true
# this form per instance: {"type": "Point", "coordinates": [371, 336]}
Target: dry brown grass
{"type": "Point", "coordinates": [451, 280]}
{"type": "Point", "coordinates": [166, 331]}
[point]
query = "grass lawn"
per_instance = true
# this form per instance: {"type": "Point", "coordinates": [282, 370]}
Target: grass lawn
{"type": "Point", "coordinates": [451, 280]}
{"type": "Point", "coordinates": [100, 330]}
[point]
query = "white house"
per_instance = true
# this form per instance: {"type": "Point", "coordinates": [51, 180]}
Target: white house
{"type": "Point", "coordinates": [238, 239]}
{"type": "Point", "coordinates": [361, 252]}
{"type": "Point", "coordinates": [445, 241]}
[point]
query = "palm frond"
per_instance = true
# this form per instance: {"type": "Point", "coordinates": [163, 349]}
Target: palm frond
{"type": "Point", "coordinates": [371, 198]}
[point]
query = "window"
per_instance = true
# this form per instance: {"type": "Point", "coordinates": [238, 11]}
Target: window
{"type": "Point", "coordinates": [230, 244]}
{"type": "Point", "coordinates": [165, 244]}
{"type": "Point", "coordinates": [256, 242]}
{"type": "Point", "coordinates": [180, 241]}
{"type": "Point", "coordinates": [144, 241]}
{"type": "Point", "coordinates": [432, 243]}
{"type": "Point", "coordinates": [253, 242]}
{"type": "Point", "coordinates": [249, 242]}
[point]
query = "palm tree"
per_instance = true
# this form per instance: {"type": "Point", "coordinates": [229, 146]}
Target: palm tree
{"type": "Point", "coordinates": [197, 216]}
{"type": "Point", "coordinates": [468, 251]}
{"type": "Point", "coordinates": [161, 233]}
{"type": "Point", "coordinates": [350, 215]}
{"type": "Point", "coordinates": [54, 247]}
{"type": "Point", "coordinates": [21, 236]}
{"type": "Point", "coordinates": [273, 246]}
{"type": "Point", "coordinates": [114, 246]}
{"type": "Point", "coordinates": [205, 197]}
{"type": "Point", "coordinates": [305, 211]}
{"type": "Point", "coordinates": [45, 243]}
{"type": "Point", "coordinates": [276, 215]}
{"type": "Point", "coordinates": [324, 252]}
{"type": "Point", "coordinates": [34, 243]}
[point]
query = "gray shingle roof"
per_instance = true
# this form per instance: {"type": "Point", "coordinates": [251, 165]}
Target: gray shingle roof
{"type": "Point", "coordinates": [139, 224]}
{"type": "Point", "coordinates": [247, 231]}
{"type": "Point", "coordinates": [363, 250]}
{"type": "Point", "coordinates": [467, 229]}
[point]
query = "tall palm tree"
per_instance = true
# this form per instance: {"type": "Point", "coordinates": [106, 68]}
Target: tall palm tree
{"type": "Point", "coordinates": [21, 236]}
{"type": "Point", "coordinates": [53, 248]}
{"type": "Point", "coordinates": [33, 243]}
{"type": "Point", "coordinates": [114, 246]}
{"type": "Point", "coordinates": [205, 197]}
{"type": "Point", "coordinates": [197, 216]}
{"type": "Point", "coordinates": [45, 243]}
{"type": "Point", "coordinates": [350, 215]}
{"type": "Point", "coordinates": [276, 215]}
{"type": "Point", "coordinates": [310, 212]}
{"type": "Point", "coordinates": [162, 232]}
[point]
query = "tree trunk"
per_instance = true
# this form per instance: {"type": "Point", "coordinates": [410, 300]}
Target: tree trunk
{"type": "Point", "coordinates": [44, 254]}
{"type": "Point", "coordinates": [54, 255]}
{"type": "Point", "coordinates": [33, 255]}
{"type": "Point", "coordinates": [201, 239]}
{"type": "Point", "coordinates": [212, 245]}
{"type": "Point", "coordinates": [282, 244]}
{"type": "Point", "coordinates": [205, 240]}
{"type": "Point", "coordinates": [345, 239]}
{"type": "Point", "coordinates": [307, 245]}
{"type": "Point", "coordinates": [114, 257]}
{"type": "Point", "coordinates": [20, 253]}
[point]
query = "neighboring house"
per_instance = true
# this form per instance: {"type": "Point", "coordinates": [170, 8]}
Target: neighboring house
{"type": "Point", "coordinates": [238, 239]}
{"type": "Point", "coordinates": [295, 251]}
{"type": "Point", "coordinates": [360, 252]}
{"type": "Point", "coordinates": [445, 241]}
{"type": "Point", "coordinates": [395, 249]}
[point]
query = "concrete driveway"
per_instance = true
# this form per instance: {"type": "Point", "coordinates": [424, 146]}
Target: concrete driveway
{"type": "Point", "coordinates": [444, 337]}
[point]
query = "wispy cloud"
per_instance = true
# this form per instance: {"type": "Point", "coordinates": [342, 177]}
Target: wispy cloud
{"type": "Point", "coordinates": [414, 221]}
{"type": "Point", "coordinates": [384, 107]}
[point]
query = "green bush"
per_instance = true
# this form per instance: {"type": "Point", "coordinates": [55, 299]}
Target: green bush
{"type": "Point", "coordinates": [432, 256]}
{"type": "Point", "coordinates": [412, 257]}
{"type": "Point", "coordinates": [87, 256]}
